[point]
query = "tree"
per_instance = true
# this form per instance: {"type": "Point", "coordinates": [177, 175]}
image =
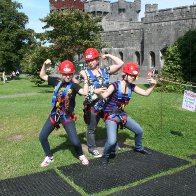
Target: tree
{"type": "Point", "coordinates": [33, 60]}
{"type": "Point", "coordinates": [71, 32]}
{"type": "Point", "coordinates": [180, 62]}
{"type": "Point", "coordinates": [13, 35]}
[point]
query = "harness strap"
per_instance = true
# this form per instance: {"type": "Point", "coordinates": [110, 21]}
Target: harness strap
{"type": "Point", "coordinates": [95, 82]}
{"type": "Point", "coordinates": [123, 118]}
{"type": "Point", "coordinates": [52, 121]}
{"type": "Point", "coordinates": [66, 120]}
{"type": "Point", "coordinates": [106, 79]}
{"type": "Point", "coordinates": [120, 91]}
{"type": "Point", "coordinates": [94, 111]}
{"type": "Point", "coordinates": [63, 93]}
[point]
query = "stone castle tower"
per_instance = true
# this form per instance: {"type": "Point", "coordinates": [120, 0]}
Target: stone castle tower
{"type": "Point", "coordinates": [143, 42]}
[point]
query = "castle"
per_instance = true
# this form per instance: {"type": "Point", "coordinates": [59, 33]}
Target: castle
{"type": "Point", "coordinates": [143, 42]}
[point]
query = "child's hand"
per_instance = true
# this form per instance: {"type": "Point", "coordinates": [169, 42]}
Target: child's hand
{"type": "Point", "coordinates": [100, 90]}
{"type": "Point", "coordinates": [47, 62]}
{"type": "Point", "coordinates": [152, 81]}
{"type": "Point", "coordinates": [150, 75]}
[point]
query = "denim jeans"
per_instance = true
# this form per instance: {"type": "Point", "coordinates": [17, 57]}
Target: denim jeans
{"type": "Point", "coordinates": [111, 140]}
{"type": "Point", "coordinates": [69, 127]}
{"type": "Point", "coordinates": [90, 135]}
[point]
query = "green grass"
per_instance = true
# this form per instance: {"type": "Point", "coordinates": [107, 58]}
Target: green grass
{"type": "Point", "coordinates": [167, 127]}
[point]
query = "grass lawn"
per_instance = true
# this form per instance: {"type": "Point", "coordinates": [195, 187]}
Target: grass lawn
{"type": "Point", "coordinates": [167, 127]}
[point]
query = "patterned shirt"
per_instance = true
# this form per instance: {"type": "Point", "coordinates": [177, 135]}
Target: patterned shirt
{"type": "Point", "coordinates": [91, 98]}
{"type": "Point", "coordinates": [111, 103]}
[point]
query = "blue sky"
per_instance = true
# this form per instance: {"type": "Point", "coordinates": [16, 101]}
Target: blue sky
{"type": "Point", "coordinates": [36, 9]}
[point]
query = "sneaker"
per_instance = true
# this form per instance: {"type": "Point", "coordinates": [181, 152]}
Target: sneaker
{"type": "Point", "coordinates": [105, 162]}
{"type": "Point", "coordinates": [83, 160]}
{"type": "Point", "coordinates": [95, 153]}
{"type": "Point", "coordinates": [143, 151]}
{"type": "Point", "coordinates": [112, 155]}
{"type": "Point", "coordinates": [47, 161]}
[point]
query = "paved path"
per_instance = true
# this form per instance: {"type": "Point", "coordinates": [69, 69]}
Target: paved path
{"type": "Point", "coordinates": [17, 95]}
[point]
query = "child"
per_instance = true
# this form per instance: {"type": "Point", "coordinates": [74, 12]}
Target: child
{"type": "Point", "coordinates": [63, 104]}
{"type": "Point", "coordinates": [119, 93]}
{"type": "Point", "coordinates": [97, 77]}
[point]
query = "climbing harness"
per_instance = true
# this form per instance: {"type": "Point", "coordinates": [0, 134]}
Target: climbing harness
{"type": "Point", "coordinates": [118, 111]}
{"type": "Point", "coordinates": [94, 79]}
{"type": "Point", "coordinates": [59, 114]}
{"type": "Point", "coordinates": [62, 94]}
{"type": "Point", "coordinates": [92, 107]}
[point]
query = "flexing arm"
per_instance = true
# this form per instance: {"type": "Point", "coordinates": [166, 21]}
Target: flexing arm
{"type": "Point", "coordinates": [81, 74]}
{"type": "Point", "coordinates": [42, 73]}
{"type": "Point", "coordinates": [103, 92]}
{"type": "Point", "coordinates": [118, 62]}
{"type": "Point", "coordinates": [146, 92]}
{"type": "Point", "coordinates": [84, 90]}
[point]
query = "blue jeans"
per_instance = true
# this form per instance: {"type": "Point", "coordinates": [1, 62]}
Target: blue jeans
{"type": "Point", "coordinates": [69, 127]}
{"type": "Point", "coordinates": [90, 135]}
{"type": "Point", "coordinates": [111, 140]}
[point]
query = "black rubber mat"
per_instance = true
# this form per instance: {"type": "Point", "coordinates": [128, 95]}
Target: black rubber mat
{"type": "Point", "coordinates": [125, 168]}
{"type": "Point", "coordinates": [179, 184]}
{"type": "Point", "coordinates": [46, 183]}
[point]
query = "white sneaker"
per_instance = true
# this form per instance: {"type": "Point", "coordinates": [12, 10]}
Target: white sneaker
{"type": "Point", "coordinates": [47, 161]}
{"type": "Point", "coordinates": [96, 154]}
{"type": "Point", "coordinates": [83, 160]}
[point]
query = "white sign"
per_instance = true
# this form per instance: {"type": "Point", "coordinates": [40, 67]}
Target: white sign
{"type": "Point", "coordinates": [189, 101]}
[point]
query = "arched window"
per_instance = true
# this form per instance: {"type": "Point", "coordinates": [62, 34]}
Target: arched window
{"type": "Point", "coordinates": [137, 54]}
{"type": "Point", "coordinates": [162, 55]}
{"type": "Point", "coordinates": [121, 55]}
{"type": "Point", "coordinates": [152, 59]}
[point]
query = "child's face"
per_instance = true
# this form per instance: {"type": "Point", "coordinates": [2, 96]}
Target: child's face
{"type": "Point", "coordinates": [67, 77]}
{"type": "Point", "coordinates": [93, 63]}
{"type": "Point", "coordinates": [130, 78]}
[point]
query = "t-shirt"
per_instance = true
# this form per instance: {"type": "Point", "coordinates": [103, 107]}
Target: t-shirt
{"type": "Point", "coordinates": [67, 103]}
{"type": "Point", "coordinates": [112, 100]}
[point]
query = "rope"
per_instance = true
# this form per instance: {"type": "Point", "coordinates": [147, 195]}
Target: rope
{"type": "Point", "coordinates": [161, 79]}
{"type": "Point", "coordinates": [161, 101]}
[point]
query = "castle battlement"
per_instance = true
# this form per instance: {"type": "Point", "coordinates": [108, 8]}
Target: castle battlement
{"type": "Point", "coordinates": [66, 4]}
{"type": "Point", "coordinates": [178, 13]}
{"type": "Point", "coordinates": [101, 7]}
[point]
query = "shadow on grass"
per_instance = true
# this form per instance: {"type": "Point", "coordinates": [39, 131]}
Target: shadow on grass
{"type": "Point", "coordinates": [67, 145]}
{"type": "Point", "coordinates": [100, 140]}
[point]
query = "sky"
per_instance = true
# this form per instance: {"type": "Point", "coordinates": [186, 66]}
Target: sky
{"type": "Point", "coordinates": [36, 9]}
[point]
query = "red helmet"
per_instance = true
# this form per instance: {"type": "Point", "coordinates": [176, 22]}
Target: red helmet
{"type": "Point", "coordinates": [66, 67]}
{"type": "Point", "coordinates": [131, 68]}
{"type": "Point", "coordinates": [91, 53]}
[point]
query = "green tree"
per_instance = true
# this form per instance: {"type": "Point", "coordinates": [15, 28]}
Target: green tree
{"type": "Point", "coordinates": [180, 63]}
{"type": "Point", "coordinates": [13, 35]}
{"type": "Point", "coordinates": [71, 32]}
{"type": "Point", "coordinates": [33, 60]}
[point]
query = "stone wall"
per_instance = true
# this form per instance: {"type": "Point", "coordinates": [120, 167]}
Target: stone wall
{"type": "Point", "coordinates": [162, 28]}
{"type": "Point", "coordinates": [99, 7]}
{"type": "Point", "coordinates": [143, 42]}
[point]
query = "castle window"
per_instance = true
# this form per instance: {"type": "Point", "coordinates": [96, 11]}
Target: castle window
{"type": "Point", "coordinates": [152, 59]}
{"type": "Point", "coordinates": [121, 55]}
{"type": "Point", "coordinates": [137, 54]}
{"type": "Point", "coordinates": [121, 11]}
